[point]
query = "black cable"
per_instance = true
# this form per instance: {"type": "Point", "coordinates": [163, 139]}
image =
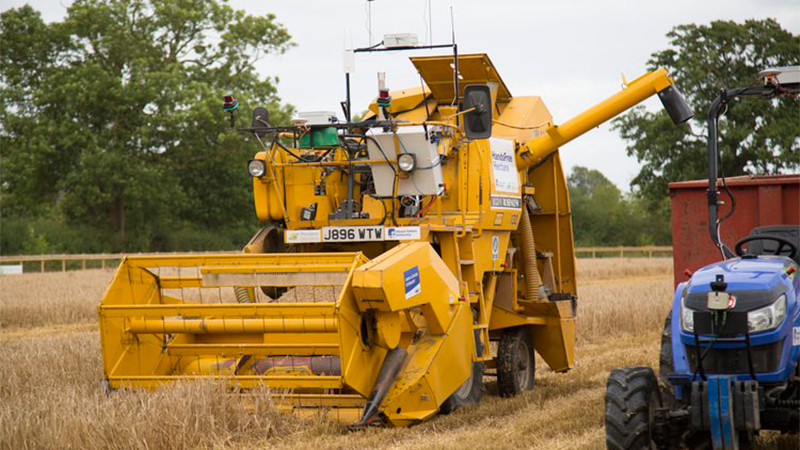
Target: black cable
{"type": "Point", "coordinates": [700, 356]}
{"type": "Point", "coordinates": [385, 212]}
{"type": "Point", "coordinates": [394, 170]}
{"type": "Point", "coordinates": [286, 149]}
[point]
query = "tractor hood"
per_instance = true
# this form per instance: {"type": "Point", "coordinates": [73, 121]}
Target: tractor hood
{"type": "Point", "coordinates": [754, 282]}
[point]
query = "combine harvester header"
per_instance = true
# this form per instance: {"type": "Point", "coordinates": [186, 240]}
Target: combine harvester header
{"type": "Point", "coordinates": [402, 256]}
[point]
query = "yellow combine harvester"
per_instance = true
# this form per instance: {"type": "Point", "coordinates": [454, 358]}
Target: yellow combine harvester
{"type": "Point", "coordinates": [402, 255]}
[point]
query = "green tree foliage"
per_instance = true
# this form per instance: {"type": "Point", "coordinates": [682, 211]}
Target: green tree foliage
{"type": "Point", "coordinates": [757, 136]}
{"type": "Point", "coordinates": [604, 216]}
{"type": "Point", "coordinates": [111, 120]}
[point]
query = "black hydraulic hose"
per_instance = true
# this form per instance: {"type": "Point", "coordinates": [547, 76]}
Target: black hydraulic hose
{"type": "Point", "coordinates": [749, 347]}
{"type": "Point", "coordinates": [699, 355]}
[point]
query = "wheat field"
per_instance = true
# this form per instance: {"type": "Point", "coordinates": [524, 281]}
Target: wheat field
{"type": "Point", "coordinates": [51, 372]}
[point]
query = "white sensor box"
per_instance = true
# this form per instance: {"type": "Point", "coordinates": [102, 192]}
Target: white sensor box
{"type": "Point", "coordinates": [425, 179]}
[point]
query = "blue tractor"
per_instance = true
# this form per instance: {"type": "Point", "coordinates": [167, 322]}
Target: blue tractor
{"type": "Point", "coordinates": [731, 343]}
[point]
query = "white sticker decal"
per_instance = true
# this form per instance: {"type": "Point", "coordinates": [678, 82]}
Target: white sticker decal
{"type": "Point", "coordinates": [504, 167]}
{"type": "Point", "coordinates": [402, 233]}
{"type": "Point", "coordinates": [302, 236]}
{"type": "Point", "coordinates": [796, 337]}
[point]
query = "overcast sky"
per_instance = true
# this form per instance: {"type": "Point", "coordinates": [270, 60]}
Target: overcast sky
{"type": "Point", "coordinates": [570, 52]}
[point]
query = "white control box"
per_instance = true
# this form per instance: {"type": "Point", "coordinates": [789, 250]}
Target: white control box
{"type": "Point", "coordinates": [719, 301]}
{"type": "Point", "coordinates": [400, 40]}
{"type": "Point", "coordinates": [426, 179]}
{"type": "Point", "coordinates": [317, 117]}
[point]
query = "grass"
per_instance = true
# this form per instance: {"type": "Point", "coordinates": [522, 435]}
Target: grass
{"type": "Point", "coordinates": [51, 396]}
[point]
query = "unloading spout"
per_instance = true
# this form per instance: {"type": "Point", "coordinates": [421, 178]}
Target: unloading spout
{"type": "Point", "coordinates": [655, 82]}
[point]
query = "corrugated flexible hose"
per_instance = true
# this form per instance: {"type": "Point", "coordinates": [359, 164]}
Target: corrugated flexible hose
{"type": "Point", "coordinates": [528, 244]}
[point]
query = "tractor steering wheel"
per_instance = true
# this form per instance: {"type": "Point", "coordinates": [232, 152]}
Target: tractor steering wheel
{"type": "Point", "coordinates": [782, 242]}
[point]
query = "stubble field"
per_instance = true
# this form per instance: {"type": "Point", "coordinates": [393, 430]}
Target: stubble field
{"type": "Point", "coordinates": [51, 371]}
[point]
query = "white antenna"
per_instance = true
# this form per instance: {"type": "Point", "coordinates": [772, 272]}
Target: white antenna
{"type": "Point", "coordinates": [452, 25]}
{"type": "Point", "coordinates": [430, 22]}
{"type": "Point", "coordinates": [369, 20]}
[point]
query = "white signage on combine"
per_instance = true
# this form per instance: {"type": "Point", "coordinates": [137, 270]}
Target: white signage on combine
{"type": "Point", "coordinates": [402, 233]}
{"type": "Point", "coordinates": [796, 336]}
{"type": "Point", "coordinates": [302, 236]}
{"type": "Point", "coordinates": [353, 234]}
{"type": "Point", "coordinates": [504, 167]}
{"type": "Point", "coordinates": [506, 202]}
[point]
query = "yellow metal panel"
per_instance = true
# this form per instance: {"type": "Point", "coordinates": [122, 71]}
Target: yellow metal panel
{"type": "Point", "coordinates": [360, 363]}
{"type": "Point", "coordinates": [380, 283]}
{"type": "Point", "coordinates": [437, 366]}
{"type": "Point", "coordinates": [555, 342]}
{"type": "Point", "coordinates": [437, 71]}
{"type": "Point", "coordinates": [502, 318]}
{"type": "Point", "coordinates": [522, 119]}
{"type": "Point", "coordinates": [552, 225]}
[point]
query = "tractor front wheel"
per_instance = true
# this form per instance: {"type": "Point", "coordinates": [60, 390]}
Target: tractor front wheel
{"type": "Point", "coordinates": [632, 397]}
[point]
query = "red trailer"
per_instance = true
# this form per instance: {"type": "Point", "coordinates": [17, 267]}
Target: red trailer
{"type": "Point", "coordinates": [760, 200]}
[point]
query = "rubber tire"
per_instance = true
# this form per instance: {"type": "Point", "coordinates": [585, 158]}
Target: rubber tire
{"type": "Point", "coordinates": [513, 343]}
{"type": "Point", "coordinates": [462, 397]}
{"type": "Point", "coordinates": [273, 243]}
{"type": "Point", "coordinates": [632, 395]}
{"type": "Point", "coordinates": [666, 365]}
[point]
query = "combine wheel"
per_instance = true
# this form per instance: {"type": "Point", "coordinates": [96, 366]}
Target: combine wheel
{"type": "Point", "coordinates": [516, 362]}
{"type": "Point", "coordinates": [632, 397]}
{"type": "Point", "coordinates": [268, 240]}
{"type": "Point", "coordinates": [470, 393]}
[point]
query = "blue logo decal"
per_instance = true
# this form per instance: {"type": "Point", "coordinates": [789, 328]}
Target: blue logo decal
{"type": "Point", "coordinates": [412, 282]}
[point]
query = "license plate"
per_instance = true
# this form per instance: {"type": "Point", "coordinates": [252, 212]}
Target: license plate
{"type": "Point", "coordinates": [352, 234]}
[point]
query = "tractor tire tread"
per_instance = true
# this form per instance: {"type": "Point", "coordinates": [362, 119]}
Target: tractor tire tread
{"type": "Point", "coordinates": [627, 401]}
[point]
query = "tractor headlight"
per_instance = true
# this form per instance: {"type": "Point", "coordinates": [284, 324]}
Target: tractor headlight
{"type": "Point", "coordinates": [768, 317]}
{"type": "Point", "coordinates": [407, 162]}
{"type": "Point", "coordinates": [257, 168]}
{"type": "Point", "coordinates": [687, 318]}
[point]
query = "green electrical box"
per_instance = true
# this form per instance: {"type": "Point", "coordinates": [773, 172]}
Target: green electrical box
{"type": "Point", "coordinates": [323, 137]}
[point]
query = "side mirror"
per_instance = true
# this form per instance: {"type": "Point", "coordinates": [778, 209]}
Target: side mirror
{"type": "Point", "coordinates": [677, 108]}
{"type": "Point", "coordinates": [260, 120]}
{"type": "Point", "coordinates": [478, 122]}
